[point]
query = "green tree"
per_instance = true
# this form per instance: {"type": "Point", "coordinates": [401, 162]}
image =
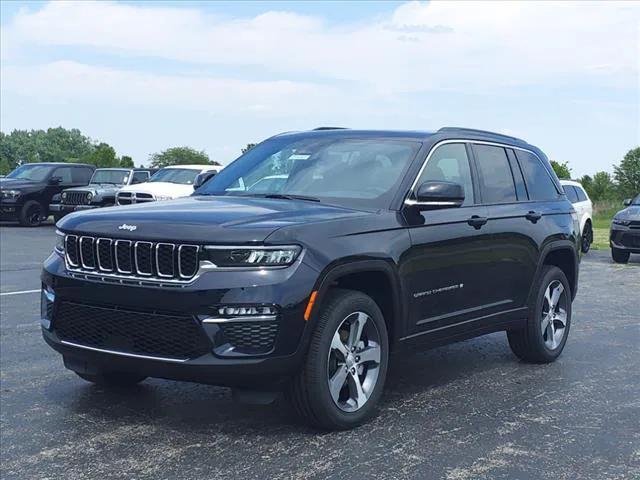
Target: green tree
{"type": "Point", "coordinates": [562, 169]}
{"type": "Point", "coordinates": [180, 156]}
{"type": "Point", "coordinates": [602, 187]}
{"type": "Point", "coordinates": [587, 183]}
{"type": "Point", "coordinates": [627, 174]}
{"type": "Point", "coordinates": [4, 166]}
{"type": "Point", "coordinates": [126, 161]}
{"type": "Point", "coordinates": [104, 156]}
{"type": "Point", "coordinates": [248, 147]}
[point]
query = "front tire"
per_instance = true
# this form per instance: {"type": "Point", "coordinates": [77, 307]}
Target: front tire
{"type": "Point", "coordinates": [547, 328]}
{"type": "Point", "coordinates": [112, 379]}
{"type": "Point", "coordinates": [31, 214]}
{"type": "Point", "coordinates": [343, 376]}
{"type": "Point", "coordinates": [619, 256]}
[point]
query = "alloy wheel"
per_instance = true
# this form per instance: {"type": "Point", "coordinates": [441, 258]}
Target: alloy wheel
{"type": "Point", "coordinates": [354, 361]}
{"type": "Point", "coordinates": [554, 315]}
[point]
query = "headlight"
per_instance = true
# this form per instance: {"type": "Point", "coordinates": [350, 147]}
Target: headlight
{"type": "Point", "coordinates": [59, 248]}
{"type": "Point", "coordinates": [620, 221]}
{"type": "Point", "coordinates": [11, 194]}
{"type": "Point", "coordinates": [64, 195]}
{"type": "Point", "coordinates": [252, 256]}
{"type": "Point", "coordinates": [89, 196]}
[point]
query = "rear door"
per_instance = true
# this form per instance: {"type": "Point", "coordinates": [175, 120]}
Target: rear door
{"type": "Point", "coordinates": [514, 227]}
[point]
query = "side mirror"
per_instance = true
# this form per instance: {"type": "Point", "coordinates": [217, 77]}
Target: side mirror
{"type": "Point", "coordinates": [202, 178]}
{"type": "Point", "coordinates": [55, 180]}
{"type": "Point", "coordinates": [434, 195]}
{"type": "Point", "coordinates": [627, 202]}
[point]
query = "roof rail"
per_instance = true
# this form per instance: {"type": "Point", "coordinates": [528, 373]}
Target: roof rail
{"type": "Point", "coordinates": [330, 128]}
{"type": "Point", "coordinates": [484, 132]}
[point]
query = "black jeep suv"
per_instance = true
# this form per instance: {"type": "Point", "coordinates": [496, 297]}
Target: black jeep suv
{"type": "Point", "coordinates": [375, 241]}
{"type": "Point", "coordinates": [101, 191]}
{"type": "Point", "coordinates": [27, 192]}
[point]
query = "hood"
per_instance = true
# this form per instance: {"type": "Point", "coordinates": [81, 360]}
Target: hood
{"type": "Point", "coordinates": [161, 188]}
{"type": "Point", "coordinates": [200, 219]}
{"type": "Point", "coordinates": [17, 183]}
{"type": "Point", "coordinates": [632, 212]}
{"type": "Point", "coordinates": [95, 188]}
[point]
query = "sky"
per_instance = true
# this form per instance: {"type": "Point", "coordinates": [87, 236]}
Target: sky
{"type": "Point", "coordinates": [146, 76]}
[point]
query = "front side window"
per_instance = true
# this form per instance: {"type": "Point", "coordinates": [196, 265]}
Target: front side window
{"type": "Point", "coordinates": [539, 182]}
{"type": "Point", "coordinates": [64, 174]}
{"type": "Point", "coordinates": [34, 173]}
{"type": "Point", "coordinates": [361, 172]}
{"type": "Point", "coordinates": [496, 179]}
{"type": "Point", "coordinates": [140, 177]}
{"type": "Point", "coordinates": [184, 176]}
{"type": "Point", "coordinates": [570, 190]}
{"type": "Point", "coordinates": [450, 163]}
{"type": "Point", "coordinates": [114, 177]}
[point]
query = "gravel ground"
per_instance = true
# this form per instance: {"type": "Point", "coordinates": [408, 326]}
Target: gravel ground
{"type": "Point", "coordinates": [464, 411]}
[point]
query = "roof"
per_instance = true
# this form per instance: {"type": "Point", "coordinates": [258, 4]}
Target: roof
{"type": "Point", "coordinates": [196, 167]}
{"type": "Point", "coordinates": [67, 164]}
{"type": "Point", "coordinates": [419, 135]}
{"type": "Point", "coordinates": [570, 182]}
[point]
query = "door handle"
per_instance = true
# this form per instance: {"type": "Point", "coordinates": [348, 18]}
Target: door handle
{"type": "Point", "coordinates": [533, 217]}
{"type": "Point", "coordinates": [477, 222]}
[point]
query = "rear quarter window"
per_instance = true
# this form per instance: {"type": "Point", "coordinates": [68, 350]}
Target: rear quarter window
{"type": "Point", "coordinates": [571, 193]}
{"type": "Point", "coordinates": [538, 180]}
{"type": "Point", "coordinates": [582, 197]}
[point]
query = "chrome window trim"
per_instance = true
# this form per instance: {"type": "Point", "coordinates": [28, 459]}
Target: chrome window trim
{"type": "Point", "coordinates": [100, 267]}
{"type": "Point", "coordinates": [116, 256]}
{"type": "Point", "coordinates": [465, 141]}
{"type": "Point", "coordinates": [197, 247]}
{"type": "Point", "coordinates": [92, 249]}
{"type": "Point", "coordinates": [124, 354]}
{"type": "Point", "coordinates": [66, 251]}
{"type": "Point", "coordinates": [173, 250]}
{"type": "Point", "coordinates": [135, 258]}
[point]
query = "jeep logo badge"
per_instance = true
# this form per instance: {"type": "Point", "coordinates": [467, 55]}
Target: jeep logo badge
{"type": "Point", "coordinates": [124, 226]}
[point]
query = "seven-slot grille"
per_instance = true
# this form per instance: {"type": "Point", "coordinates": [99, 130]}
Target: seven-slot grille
{"type": "Point", "coordinates": [140, 259]}
{"type": "Point", "coordinates": [76, 198]}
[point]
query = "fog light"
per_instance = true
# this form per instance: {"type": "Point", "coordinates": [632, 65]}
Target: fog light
{"type": "Point", "coordinates": [47, 302]}
{"type": "Point", "coordinates": [246, 311]}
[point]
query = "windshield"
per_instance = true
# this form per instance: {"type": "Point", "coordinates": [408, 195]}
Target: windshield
{"type": "Point", "coordinates": [116, 177]}
{"type": "Point", "coordinates": [355, 172]}
{"type": "Point", "coordinates": [35, 173]}
{"type": "Point", "coordinates": [185, 176]}
{"type": "Point", "coordinates": [636, 201]}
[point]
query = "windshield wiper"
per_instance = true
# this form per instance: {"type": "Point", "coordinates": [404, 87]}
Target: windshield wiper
{"type": "Point", "coordinates": [291, 197]}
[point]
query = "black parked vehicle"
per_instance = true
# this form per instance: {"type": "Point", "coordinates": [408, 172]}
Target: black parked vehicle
{"type": "Point", "coordinates": [101, 191]}
{"type": "Point", "coordinates": [377, 240]}
{"type": "Point", "coordinates": [27, 192]}
{"type": "Point", "coordinates": [624, 236]}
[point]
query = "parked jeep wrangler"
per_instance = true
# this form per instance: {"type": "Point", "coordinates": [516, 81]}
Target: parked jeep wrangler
{"type": "Point", "coordinates": [376, 240]}
{"type": "Point", "coordinates": [27, 192]}
{"type": "Point", "coordinates": [101, 191]}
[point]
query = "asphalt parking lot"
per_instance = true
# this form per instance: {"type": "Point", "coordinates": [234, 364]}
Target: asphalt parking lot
{"type": "Point", "coordinates": [463, 411]}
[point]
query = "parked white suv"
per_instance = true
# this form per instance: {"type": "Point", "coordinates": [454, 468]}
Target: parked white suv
{"type": "Point", "coordinates": [584, 209]}
{"type": "Point", "coordinates": [168, 183]}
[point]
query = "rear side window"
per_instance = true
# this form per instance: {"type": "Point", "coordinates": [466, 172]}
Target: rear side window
{"type": "Point", "coordinates": [571, 193]}
{"type": "Point", "coordinates": [521, 190]}
{"type": "Point", "coordinates": [496, 179]}
{"type": "Point", "coordinates": [582, 197]}
{"type": "Point", "coordinates": [539, 182]}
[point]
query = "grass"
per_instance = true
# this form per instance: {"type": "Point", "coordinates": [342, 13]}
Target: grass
{"type": "Point", "coordinates": [603, 212]}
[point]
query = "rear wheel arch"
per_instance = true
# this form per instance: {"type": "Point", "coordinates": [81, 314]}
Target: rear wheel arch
{"type": "Point", "coordinates": [376, 278]}
{"type": "Point", "coordinates": [564, 256]}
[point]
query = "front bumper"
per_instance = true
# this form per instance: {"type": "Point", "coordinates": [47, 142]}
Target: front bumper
{"type": "Point", "coordinates": [624, 238]}
{"type": "Point", "coordinates": [9, 210]}
{"type": "Point", "coordinates": [287, 289]}
{"type": "Point", "coordinates": [64, 208]}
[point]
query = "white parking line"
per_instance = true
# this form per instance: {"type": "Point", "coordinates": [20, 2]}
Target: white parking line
{"type": "Point", "coordinates": [19, 293]}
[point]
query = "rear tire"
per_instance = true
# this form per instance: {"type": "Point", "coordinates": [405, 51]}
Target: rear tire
{"type": "Point", "coordinates": [547, 328]}
{"type": "Point", "coordinates": [112, 379]}
{"type": "Point", "coordinates": [31, 214]}
{"type": "Point", "coordinates": [331, 391]}
{"type": "Point", "coordinates": [619, 256]}
{"type": "Point", "coordinates": [587, 238]}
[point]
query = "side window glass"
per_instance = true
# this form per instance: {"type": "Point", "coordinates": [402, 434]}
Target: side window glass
{"type": "Point", "coordinates": [496, 179]}
{"type": "Point", "coordinates": [65, 175]}
{"type": "Point", "coordinates": [81, 174]}
{"type": "Point", "coordinates": [450, 163]}
{"type": "Point", "coordinates": [571, 193]}
{"type": "Point", "coordinates": [539, 182]}
{"type": "Point", "coordinates": [582, 197]}
{"type": "Point", "coordinates": [521, 190]}
{"type": "Point", "coordinates": [139, 177]}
